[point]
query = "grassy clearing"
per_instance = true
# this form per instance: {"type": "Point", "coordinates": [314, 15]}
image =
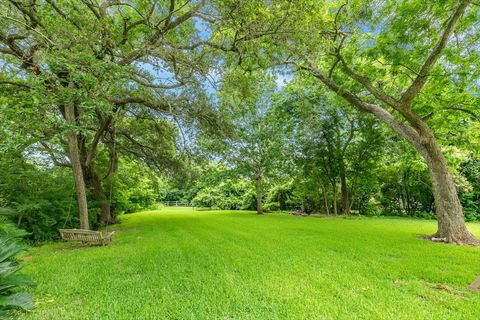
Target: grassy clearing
{"type": "Point", "coordinates": [183, 264]}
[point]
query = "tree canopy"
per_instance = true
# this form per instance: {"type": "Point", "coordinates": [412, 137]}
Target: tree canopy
{"type": "Point", "coordinates": [330, 106]}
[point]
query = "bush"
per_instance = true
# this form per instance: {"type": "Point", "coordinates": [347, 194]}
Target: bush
{"type": "Point", "coordinates": [424, 215]}
{"type": "Point", "coordinates": [10, 279]}
{"type": "Point", "coordinates": [43, 200]}
{"type": "Point", "coordinates": [227, 195]}
{"type": "Point", "coordinates": [372, 208]}
{"type": "Point", "coordinates": [134, 188]}
{"type": "Point", "coordinates": [471, 205]}
{"type": "Point", "coordinates": [271, 206]}
{"type": "Point", "coordinates": [470, 198]}
{"type": "Point", "coordinates": [286, 196]}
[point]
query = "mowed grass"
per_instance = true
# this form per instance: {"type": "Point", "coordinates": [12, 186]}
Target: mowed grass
{"type": "Point", "coordinates": [185, 264]}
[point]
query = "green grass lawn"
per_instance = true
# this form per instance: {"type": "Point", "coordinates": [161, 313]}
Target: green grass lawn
{"type": "Point", "coordinates": [185, 264]}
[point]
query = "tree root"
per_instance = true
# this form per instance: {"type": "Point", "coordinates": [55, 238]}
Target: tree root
{"type": "Point", "coordinates": [464, 239]}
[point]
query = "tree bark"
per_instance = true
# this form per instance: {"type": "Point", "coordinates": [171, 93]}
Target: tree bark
{"type": "Point", "coordinates": [344, 190]}
{"type": "Point", "coordinates": [77, 171]}
{"type": "Point", "coordinates": [325, 200]}
{"type": "Point", "coordinates": [450, 218]}
{"type": "Point", "coordinates": [259, 194]}
{"type": "Point", "coordinates": [91, 178]}
{"type": "Point", "coordinates": [334, 189]}
{"type": "Point", "coordinates": [451, 223]}
{"type": "Point", "coordinates": [94, 184]}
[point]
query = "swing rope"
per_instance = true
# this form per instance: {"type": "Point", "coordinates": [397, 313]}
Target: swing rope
{"type": "Point", "coordinates": [69, 207]}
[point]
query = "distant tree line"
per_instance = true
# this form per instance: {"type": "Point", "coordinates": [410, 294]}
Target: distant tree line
{"type": "Point", "coordinates": [379, 115]}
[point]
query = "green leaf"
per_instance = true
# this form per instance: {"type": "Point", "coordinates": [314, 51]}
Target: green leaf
{"type": "Point", "coordinates": [20, 300]}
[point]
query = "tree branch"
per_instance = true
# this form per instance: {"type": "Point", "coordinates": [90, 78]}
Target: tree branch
{"type": "Point", "coordinates": [15, 83]}
{"type": "Point", "coordinates": [470, 112]}
{"type": "Point", "coordinates": [151, 42]}
{"type": "Point", "coordinates": [380, 113]}
{"type": "Point", "coordinates": [51, 153]}
{"type": "Point", "coordinates": [65, 16]}
{"type": "Point", "coordinates": [158, 86]}
{"type": "Point", "coordinates": [29, 27]}
{"type": "Point", "coordinates": [377, 93]}
{"type": "Point", "coordinates": [429, 63]}
{"type": "Point", "coordinates": [96, 139]}
{"type": "Point", "coordinates": [139, 100]}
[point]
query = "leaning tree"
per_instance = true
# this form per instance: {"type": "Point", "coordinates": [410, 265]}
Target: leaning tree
{"type": "Point", "coordinates": [404, 62]}
{"type": "Point", "coordinates": [391, 86]}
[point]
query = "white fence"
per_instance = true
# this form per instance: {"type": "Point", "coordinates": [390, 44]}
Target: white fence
{"type": "Point", "coordinates": [176, 204]}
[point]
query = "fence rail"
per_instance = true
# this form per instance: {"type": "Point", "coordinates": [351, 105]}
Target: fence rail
{"type": "Point", "coordinates": [176, 204]}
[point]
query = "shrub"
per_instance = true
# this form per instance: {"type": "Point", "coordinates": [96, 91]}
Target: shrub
{"type": "Point", "coordinates": [424, 215]}
{"type": "Point", "coordinates": [227, 195]}
{"type": "Point", "coordinates": [284, 196]}
{"type": "Point", "coordinates": [372, 208]}
{"type": "Point", "coordinates": [10, 279]}
{"type": "Point", "coordinates": [271, 206]}
{"type": "Point", "coordinates": [471, 205]}
{"type": "Point", "coordinates": [43, 200]}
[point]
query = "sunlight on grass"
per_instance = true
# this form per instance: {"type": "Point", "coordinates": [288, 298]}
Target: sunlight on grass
{"type": "Point", "coordinates": [184, 264]}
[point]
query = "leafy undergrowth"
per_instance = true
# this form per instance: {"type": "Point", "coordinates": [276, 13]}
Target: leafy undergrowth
{"type": "Point", "coordinates": [185, 264]}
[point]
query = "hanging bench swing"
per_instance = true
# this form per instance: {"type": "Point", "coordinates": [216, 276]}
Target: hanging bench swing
{"type": "Point", "coordinates": [87, 236]}
{"type": "Point", "coordinates": [90, 237]}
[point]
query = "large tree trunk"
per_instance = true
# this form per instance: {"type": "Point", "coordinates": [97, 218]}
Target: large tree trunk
{"type": "Point", "coordinates": [344, 190]}
{"type": "Point", "coordinates": [94, 184]}
{"type": "Point", "coordinates": [77, 171]}
{"type": "Point", "coordinates": [407, 203]}
{"type": "Point", "coordinates": [334, 190]}
{"type": "Point", "coordinates": [91, 178]}
{"type": "Point", "coordinates": [451, 224]}
{"type": "Point", "coordinates": [325, 199]}
{"type": "Point", "coordinates": [450, 219]}
{"type": "Point", "coordinates": [259, 194]}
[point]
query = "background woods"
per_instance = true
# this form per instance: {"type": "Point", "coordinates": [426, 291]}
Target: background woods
{"type": "Point", "coordinates": [339, 108]}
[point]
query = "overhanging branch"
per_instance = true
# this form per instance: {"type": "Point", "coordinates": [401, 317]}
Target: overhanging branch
{"type": "Point", "coordinates": [429, 63]}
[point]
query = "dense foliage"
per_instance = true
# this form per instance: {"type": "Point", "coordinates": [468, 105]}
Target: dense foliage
{"type": "Point", "coordinates": [10, 279]}
{"type": "Point", "coordinates": [377, 186]}
{"type": "Point", "coordinates": [321, 156]}
{"type": "Point", "coordinates": [322, 106]}
{"type": "Point", "coordinates": [42, 199]}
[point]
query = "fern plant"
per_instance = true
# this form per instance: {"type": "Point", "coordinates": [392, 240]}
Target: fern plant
{"type": "Point", "coordinates": [10, 279]}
